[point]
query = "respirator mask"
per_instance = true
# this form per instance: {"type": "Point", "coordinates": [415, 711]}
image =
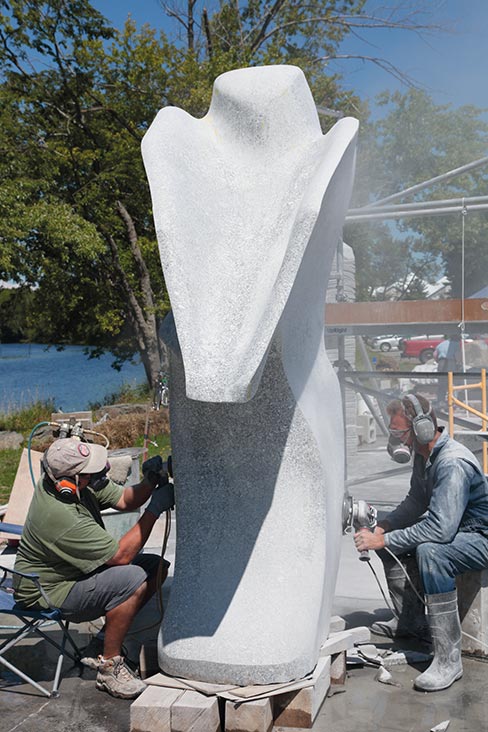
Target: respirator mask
{"type": "Point", "coordinates": [100, 480]}
{"type": "Point", "coordinates": [396, 448]}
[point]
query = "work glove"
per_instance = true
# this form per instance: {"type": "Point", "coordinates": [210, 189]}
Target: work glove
{"type": "Point", "coordinates": [153, 469]}
{"type": "Point", "coordinates": [162, 499]}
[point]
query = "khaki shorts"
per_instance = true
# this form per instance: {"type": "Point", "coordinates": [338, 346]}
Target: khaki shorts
{"type": "Point", "coordinates": [107, 587]}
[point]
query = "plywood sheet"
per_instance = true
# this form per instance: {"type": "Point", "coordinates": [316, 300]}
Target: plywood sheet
{"type": "Point", "coordinates": [22, 491]}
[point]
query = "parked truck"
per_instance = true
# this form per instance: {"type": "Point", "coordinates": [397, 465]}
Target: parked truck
{"type": "Point", "coordinates": [421, 347]}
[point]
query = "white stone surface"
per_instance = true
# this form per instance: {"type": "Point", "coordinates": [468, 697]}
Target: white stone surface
{"type": "Point", "coordinates": [249, 204]}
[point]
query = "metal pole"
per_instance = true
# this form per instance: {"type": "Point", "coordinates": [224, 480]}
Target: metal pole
{"type": "Point", "coordinates": [430, 182]}
{"type": "Point", "coordinates": [381, 407]}
{"type": "Point", "coordinates": [417, 212]}
{"type": "Point", "coordinates": [341, 350]}
{"type": "Point", "coordinates": [422, 204]}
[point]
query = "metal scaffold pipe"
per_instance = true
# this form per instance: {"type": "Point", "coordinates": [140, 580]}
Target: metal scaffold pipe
{"type": "Point", "coordinates": [430, 182]}
{"type": "Point", "coordinates": [420, 204]}
{"type": "Point", "coordinates": [396, 214]}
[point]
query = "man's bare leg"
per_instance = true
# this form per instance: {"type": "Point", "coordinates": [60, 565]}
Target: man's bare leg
{"type": "Point", "coordinates": [118, 620]}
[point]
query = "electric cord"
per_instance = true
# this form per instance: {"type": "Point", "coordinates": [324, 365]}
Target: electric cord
{"type": "Point", "coordinates": [166, 535]}
{"type": "Point", "coordinates": [395, 614]}
{"type": "Point", "coordinates": [29, 449]}
{"type": "Point", "coordinates": [407, 576]}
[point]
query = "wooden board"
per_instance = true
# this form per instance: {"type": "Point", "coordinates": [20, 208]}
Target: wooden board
{"type": "Point", "coordinates": [413, 312]}
{"type": "Point", "coordinates": [22, 491]}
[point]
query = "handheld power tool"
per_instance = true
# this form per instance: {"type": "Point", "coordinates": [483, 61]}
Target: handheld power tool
{"type": "Point", "coordinates": [358, 514]}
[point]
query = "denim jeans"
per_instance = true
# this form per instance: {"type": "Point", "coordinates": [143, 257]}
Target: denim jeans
{"type": "Point", "coordinates": [439, 564]}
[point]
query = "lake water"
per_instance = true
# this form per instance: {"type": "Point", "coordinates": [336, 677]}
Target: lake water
{"type": "Point", "coordinates": [31, 372]}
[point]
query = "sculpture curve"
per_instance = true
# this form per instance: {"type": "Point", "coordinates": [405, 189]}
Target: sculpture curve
{"type": "Point", "coordinates": [249, 204]}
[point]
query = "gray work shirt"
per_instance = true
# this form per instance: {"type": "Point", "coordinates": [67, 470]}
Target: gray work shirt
{"type": "Point", "coordinates": [448, 493]}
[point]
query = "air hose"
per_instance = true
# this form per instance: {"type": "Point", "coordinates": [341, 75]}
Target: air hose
{"type": "Point", "coordinates": [29, 457]}
{"type": "Point", "coordinates": [393, 611]}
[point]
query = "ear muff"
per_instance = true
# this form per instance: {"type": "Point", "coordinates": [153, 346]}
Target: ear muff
{"type": "Point", "coordinates": [422, 424]}
{"type": "Point", "coordinates": [66, 486]}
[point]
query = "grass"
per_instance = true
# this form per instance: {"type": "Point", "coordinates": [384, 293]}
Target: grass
{"type": "Point", "coordinates": [9, 461]}
{"type": "Point", "coordinates": [124, 430]}
{"type": "Point", "coordinates": [26, 418]}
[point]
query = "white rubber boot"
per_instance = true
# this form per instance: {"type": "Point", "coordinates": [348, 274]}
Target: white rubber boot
{"type": "Point", "coordinates": [445, 628]}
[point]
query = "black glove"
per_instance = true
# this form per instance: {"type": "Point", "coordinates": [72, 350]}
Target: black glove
{"type": "Point", "coordinates": [153, 469]}
{"type": "Point", "coordinates": [162, 499]}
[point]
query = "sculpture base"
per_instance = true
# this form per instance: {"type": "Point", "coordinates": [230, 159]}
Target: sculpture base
{"type": "Point", "coordinates": [174, 704]}
{"type": "Point", "coordinates": [222, 673]}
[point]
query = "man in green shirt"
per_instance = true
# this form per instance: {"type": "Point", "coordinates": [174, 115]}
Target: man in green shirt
{"type": "Point", "coordinates": [83, 570]}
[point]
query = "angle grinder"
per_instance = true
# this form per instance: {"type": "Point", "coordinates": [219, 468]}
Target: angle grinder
{"type": "Point", "coordinates": [358, 514]}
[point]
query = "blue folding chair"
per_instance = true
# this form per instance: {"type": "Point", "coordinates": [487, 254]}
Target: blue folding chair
{"type": "Point", "coordinates": [33, 622]}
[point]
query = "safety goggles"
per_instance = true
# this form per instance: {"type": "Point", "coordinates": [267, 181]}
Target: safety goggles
{"type": "Point", "coordinates": [399, 434]}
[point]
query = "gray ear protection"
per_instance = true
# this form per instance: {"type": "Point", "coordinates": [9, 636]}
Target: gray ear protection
{"type": "Point", "coordinates": [422, 424]}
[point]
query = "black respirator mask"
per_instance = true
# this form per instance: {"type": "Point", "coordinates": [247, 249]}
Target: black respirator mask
{"type": "Point", "coordinates": [100, 480]}
{"type": "Point", "coordinates": [423, 428]}
{"type": "Point", "coordinates": [397, 450]}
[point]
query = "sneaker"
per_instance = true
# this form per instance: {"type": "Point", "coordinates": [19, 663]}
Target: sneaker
{"type": "Point", "coordinates": [115, 677]}
{"type": "Point", "coordinates": [92, 653]}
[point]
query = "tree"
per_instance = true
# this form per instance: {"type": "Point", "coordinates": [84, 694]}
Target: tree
{"type": "Point", "coordinates": [77, 97]}
{"type": "Point", "coordinates": [70, 139]}
{"type": "Point", "coordinates": [415, 141]}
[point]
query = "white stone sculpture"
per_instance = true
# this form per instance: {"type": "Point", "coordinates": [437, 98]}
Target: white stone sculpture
{"type": "Point", "coordinates": [249, 204]}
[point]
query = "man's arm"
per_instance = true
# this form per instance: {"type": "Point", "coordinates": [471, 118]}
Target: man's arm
{"type": "Point", "coordinates": [449, 499]}
{"type": "Point", "coordinates": [135, 496]}
{"type": "Point", "coordinates": [132, 542]}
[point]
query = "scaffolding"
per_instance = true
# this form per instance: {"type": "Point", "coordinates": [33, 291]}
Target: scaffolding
{"type": "Point", "coordinates": [424, 317]}
{"type": "Point", "coordinates": [453, 401]}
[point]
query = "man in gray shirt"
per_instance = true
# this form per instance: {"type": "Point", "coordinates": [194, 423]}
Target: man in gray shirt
{"type": "Point", "coordinates": [439, 531]}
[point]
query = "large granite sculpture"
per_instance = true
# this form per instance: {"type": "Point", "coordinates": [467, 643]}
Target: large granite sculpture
{"type": "Point", "coordinates": [249, 204]}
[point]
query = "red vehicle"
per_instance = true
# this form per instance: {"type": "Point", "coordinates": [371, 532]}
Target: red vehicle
{"type": "Point", "coordinates": [421, 347]}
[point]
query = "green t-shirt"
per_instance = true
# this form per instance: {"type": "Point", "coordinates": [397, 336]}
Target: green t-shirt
{"type": "Point", "coordinates": [63, 541]}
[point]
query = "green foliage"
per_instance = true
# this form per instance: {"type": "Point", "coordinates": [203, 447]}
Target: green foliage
{"type": "Point", "coordinates": [75, 101]}
{"type": "Point", "coordinates": [415, 141]}
{"type": "Point", "coordinates": [162, 446]}
{"type": "Point", "coordinates": [76, 97]}
{"type": "Point", "coordinates": [9, 462]}
{"type": "Point", "coordinates": [23, 420]}
{"type": "Point", "coordinates": [126, 394]}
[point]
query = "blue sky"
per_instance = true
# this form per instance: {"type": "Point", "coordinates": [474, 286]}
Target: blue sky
{"type": "Point", "coordinates": [450, 65]}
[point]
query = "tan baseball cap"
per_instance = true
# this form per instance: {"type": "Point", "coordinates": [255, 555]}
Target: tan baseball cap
{"type": "Point", "coordinates": [68, 456]}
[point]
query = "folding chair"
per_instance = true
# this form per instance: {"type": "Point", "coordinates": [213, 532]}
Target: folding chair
{"type": "Point", "coordinates": [33, 622]}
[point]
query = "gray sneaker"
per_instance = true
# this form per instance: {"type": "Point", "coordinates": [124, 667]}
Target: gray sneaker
{"type": "Point", "coordinates": [115, 677]}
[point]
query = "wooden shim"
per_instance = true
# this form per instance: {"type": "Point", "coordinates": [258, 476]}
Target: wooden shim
{"type": "Point", "coordinates": [173, 682]}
